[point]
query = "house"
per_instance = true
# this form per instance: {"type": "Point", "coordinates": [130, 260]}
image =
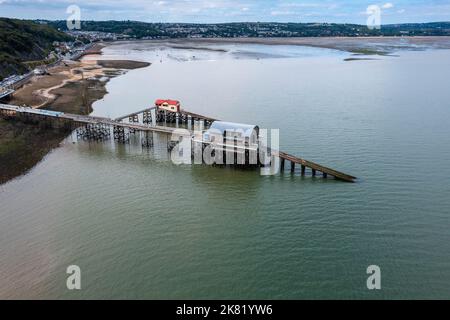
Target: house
{"type": "Point", "coordinates": [39, 72]}
{"type": "Point", "coordinates": [169, 105]}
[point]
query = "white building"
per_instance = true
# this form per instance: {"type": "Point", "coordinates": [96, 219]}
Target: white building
{"type": "Point", "coordinates": [241, 133]}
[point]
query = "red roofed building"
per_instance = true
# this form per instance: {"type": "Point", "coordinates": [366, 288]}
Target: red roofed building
{"type": "Point", "coordinates": [169, 105]}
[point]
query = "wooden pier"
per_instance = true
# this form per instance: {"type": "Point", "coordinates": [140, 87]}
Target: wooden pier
{"type": "Point", "coordinates": [78, 120]}
{"type": "Point", "coordinates": [101, 128]}
{"type": "Point", "coordinates": [314, 167]}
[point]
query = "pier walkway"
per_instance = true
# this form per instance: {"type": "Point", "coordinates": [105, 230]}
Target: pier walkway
{"type": "Point", "coordinates": [5, 92]}
{"type": "Point", "coordinates": [313, 166]}
{"type": "Point", "coordinates": [10, 110]}
{"type": "Point", "coordinates": [99, 128]}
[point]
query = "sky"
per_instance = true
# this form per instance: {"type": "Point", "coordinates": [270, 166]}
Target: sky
{"type": "Point", "coordinates": [219, 11]}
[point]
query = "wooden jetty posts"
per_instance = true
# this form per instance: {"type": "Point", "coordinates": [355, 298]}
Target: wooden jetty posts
{"type": "Point", "coordinates": [100, 128]}
{"type": "Point", "coordinates": [155, 115]}
{"type": "Point", "coordinates": [314, 167]}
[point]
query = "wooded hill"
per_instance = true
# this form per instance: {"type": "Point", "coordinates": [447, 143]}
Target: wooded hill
{"type": "Point", "coordinates": [140, 30]}
{"type": "Point", "coordinates": [22, 41]}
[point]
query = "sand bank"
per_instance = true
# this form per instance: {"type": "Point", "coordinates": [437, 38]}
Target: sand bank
{"type": "Point", "coordinates": [72, 86]}
{"type": "Point", "coordinates": [358, 45]}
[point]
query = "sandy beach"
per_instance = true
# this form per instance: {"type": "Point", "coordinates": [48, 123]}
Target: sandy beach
{"type": "Point", "coordinates": [72, 87]}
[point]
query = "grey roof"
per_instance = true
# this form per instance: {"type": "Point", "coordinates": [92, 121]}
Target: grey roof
{"type": "Point", "coordinates": [246, 129]}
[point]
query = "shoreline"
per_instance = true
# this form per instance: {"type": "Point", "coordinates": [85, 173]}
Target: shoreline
{"type": "Point", "coordinates": [74, 86]}
{"type": "Point", "coordinates": [70, 86]}
{"type": "Point", "coordinates": [91, 75]}
{"type": "Point", "coordinates": [352, 45]}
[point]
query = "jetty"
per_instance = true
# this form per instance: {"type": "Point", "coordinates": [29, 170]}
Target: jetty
{"type": "Point", "coordinates": [152, 120]}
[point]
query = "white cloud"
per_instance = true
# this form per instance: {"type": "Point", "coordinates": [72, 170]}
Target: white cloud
{"type": "Point", "coordinates": [282, 13]}
{"type": "Point", "coordinates": [209, 11]}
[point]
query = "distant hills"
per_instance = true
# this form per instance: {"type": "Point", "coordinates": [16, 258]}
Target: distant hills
{"type": "Point", "coordinates": [141, 30]}
{"type": "Point", "coordinates": [22, 41]}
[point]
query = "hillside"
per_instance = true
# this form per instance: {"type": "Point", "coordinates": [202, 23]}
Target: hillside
{"type": "Point", "coordinates": [22, 41]}
{"type": "Point", "coordinates": [256, 29]}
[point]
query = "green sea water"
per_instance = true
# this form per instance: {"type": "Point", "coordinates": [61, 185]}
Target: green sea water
{"type": "Point", "coordinates": [141, 227]}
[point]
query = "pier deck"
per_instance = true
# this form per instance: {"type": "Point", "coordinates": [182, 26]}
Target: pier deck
{"type": "Point", "coordinates": [135, 126]}
{"type": "Point", "coordinates": [5, 92]}
{"type": "Point", "coordinates": [80, 119]}
{"type": "Point", "coordinates": [134, 114]}
{"type": "Point", "coordinates": [314, 167]}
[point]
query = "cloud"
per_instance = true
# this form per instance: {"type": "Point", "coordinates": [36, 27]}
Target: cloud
{"type": "Point", "coordinates": [309, 5]}
{"type": "Point", "coordinates": [281, 12]}
{"type": "Point", "coordinates": [210, 11]}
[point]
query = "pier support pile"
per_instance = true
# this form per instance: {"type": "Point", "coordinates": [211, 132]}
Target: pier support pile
{"type": "Point", "coordinates": [97, 132]}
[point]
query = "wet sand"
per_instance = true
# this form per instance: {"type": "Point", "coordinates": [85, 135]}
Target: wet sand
{"type": "Point", "coordinates": [122, 64]}
{"type": "Point", "coordinates": [357, 45]}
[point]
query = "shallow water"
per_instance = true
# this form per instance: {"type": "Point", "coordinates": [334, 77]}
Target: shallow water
{"type": "Point", "coordinates": [142, 227]}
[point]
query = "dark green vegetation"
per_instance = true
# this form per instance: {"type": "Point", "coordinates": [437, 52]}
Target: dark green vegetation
{"type": "Point", "coordinates": [25, 41]}
{"type": "Point", "coordinates": [257, 29]}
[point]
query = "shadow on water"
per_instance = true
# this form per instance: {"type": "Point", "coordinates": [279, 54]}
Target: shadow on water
{"type": "Point", "coordinates": [215, 181]}
{"type": "Point", "coordinates": [22, 146]}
